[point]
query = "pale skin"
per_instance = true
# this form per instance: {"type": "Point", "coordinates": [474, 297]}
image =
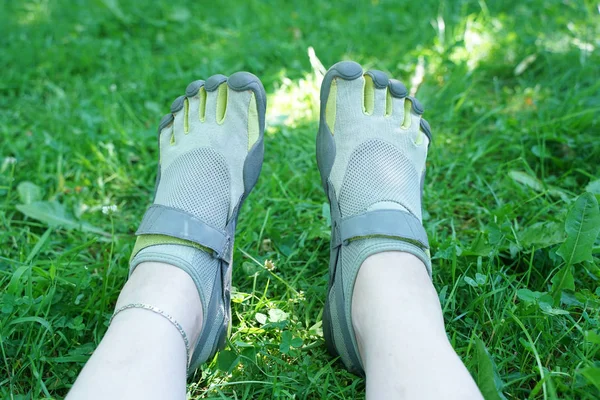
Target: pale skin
{"type": "Point", "coordinates": [405, 352]}
{"type": "Point", "coordinates": [143, 355]}
{"type": "Point", "coordinates": [399, 326]}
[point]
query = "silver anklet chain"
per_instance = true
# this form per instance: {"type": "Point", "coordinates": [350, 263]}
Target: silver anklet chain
{"type": "Point", "coordinates": [163, 314]}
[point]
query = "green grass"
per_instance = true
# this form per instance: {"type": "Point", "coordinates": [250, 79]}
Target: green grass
{"type": "Point", "coordinates": [83, 85]}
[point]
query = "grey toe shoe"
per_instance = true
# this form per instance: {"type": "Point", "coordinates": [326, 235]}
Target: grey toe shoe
{"type": "Point", "coordinates": [211, 154]}
{"type": "Point", "coordinates": [371, 151]}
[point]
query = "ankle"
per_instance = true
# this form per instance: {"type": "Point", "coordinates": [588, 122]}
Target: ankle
{"type": "Point", "coordinates": [389, 282]}
{"type": "Point", "coordinates": [394, 304]}
{"type": "Point", "coordinates": [169, 289]}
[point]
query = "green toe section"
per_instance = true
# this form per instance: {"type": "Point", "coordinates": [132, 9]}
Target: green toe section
{"type": "Point", "coordinates": [253, 122]}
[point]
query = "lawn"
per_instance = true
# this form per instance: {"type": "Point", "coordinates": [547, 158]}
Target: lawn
{"type": "Point", "coordinates": [512, 92]}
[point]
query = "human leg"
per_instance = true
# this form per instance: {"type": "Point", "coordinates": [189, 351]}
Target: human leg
{"type": "Point", "coordinates": [143, 354]}
{"type": "Point", "coordinates": [371, 151]}
{"type": "Point", "coordinates": [211, 152]}
{"type": "Point", "coordinates": [400, 332]}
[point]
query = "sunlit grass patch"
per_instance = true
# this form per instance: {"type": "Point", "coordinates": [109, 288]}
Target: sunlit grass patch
{"type": "Point", "coordinates": [295, 102]}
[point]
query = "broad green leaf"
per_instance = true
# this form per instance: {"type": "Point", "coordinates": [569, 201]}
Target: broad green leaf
{"type": "Point", "coordinates": [527, 180]}
{"type": "Point", "coordinates": [593, 187]}
{"type": "Point", "coordinates": [449, 253]}
{"type": "Point", "coordinates": [543, 300]}
{"type": "Point", "coordinates": [562, 280]}
{"type": "Point", "coordinates": [7, 303]}
{"type": "Point", "coordinates": [480, 278]}
{"type": "Point", "coordinates": [54, 214]}
{"type": "Point", "coordinates": [471, 282]}
{"type": "Point", "coordinates": [29, 192]}
{"type": "Point", "coordinates": [277, 315]}
{"type": "Point", "coordinates": [537, 185]}
{"type": "Point", "coordinates": [479, 247]}
{"type": "Point", "coordinates": [570, 299]}
{"type": "Point", "coordinates": [261, 318]}
{"type": "Point", "coordinates": [592, 337]}
{"type": "Point", "coordinates": [592, 374]}
{"type": "Point", "coordinates": [548, 309]}
{"type": "Point", "coordinates": [297, 342]}
{"type": "Point", "coordinates": [249, 353]}
{"type": "Point", "coordinates": [227, 360]}
{"type": "Point", "coordinates": [487, 378]}
{"type": "Point", "coordinates": [286, 341]}
{"type": "Point", "coordinates": [527, 296]}
{"type": "Point", "coordinates": [541, 235]}
{"type": "Point", "coordinates": [582, 227]}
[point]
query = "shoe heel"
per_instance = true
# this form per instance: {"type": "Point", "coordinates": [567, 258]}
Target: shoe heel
{"type": "Point", "coordinates": [327, 333]}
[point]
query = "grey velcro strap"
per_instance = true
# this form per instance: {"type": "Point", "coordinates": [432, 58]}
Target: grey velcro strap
{"type": "Point", "coordinates": [393, 223]}
{"type": "Point", "coordinates": [163, 220]}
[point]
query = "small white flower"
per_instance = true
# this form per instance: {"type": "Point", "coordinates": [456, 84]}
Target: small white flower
{"type": "Point", "coordinates": [113, 88]}
{"type": "Point", "coordinates": [109, 209]}
{"type": "Point", "coordinates": [269, 265]}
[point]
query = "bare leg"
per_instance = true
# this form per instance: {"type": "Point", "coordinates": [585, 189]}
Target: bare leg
{"type": "Point", "coordinates": [143, 355]}
{"type": "Point", "coordinates": [400, 331]}
{"type": "Point", "coordinates": [211, 152]}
